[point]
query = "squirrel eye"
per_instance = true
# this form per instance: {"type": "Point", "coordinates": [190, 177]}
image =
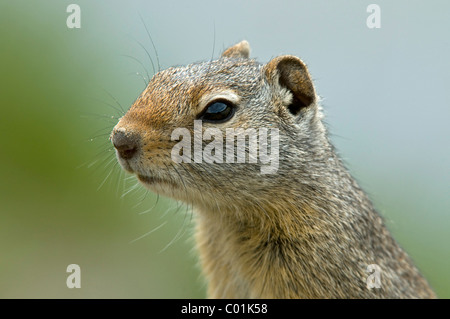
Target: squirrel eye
{"type": "Point", "coordinates": [217, 112]}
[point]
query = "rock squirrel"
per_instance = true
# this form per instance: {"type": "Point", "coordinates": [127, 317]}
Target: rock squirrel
{"type": "Point", "coordinates": [303, 230]}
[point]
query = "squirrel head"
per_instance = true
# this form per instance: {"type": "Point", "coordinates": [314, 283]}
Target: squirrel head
{"type": "Point", "coordinates": [176, 136]}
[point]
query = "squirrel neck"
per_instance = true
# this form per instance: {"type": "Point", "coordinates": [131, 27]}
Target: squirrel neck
{"type": "Point", "coordinates": [313, 240]}
{"type": "Point", "coordinates": [323, 194]}
{"type": "Point", "coordinates": [316, 204]}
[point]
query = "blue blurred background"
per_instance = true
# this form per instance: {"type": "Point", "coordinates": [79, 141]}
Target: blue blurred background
{"type": "Point", "coordinates": [64, 200]}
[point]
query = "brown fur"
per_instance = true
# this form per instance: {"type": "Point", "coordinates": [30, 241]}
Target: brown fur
{"type": "Point", "coordinates": [308, 231]}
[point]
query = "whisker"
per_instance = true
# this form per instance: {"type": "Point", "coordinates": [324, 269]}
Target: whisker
{"type": "Point", "coordinates": [110, 118]}
{"type": "Point", "coordinates": [214, 40]}
{"type": "Point", "coordinates": [150, 209]}
{"type": "Point", "coordinates": [120, 182]}
{"type": "Point", "coordinates": [174, 239]}
{"type": "Point", "coordinates": [214, 46]}
{"type": "Point", "coordinates": [142, 65]}
{"type": "Point", "coordinates": [99, 135]}
{"type": "Point", "coordinates": [148, 54]}
{"type": "Point", "coordinates": [106, 149]}
{"type": "Point", "coordinates": [91, 163]}
{"type": "Point", "coordinates": [150, 232]}
{"type": "Point", "coordinates": [153, 44]}
{"type": "Point", "coordinates": [107, 176]}
{"type": "Point", "coordinates": [132, 188]}
{"type": "Point", "coordinates": [106, 128]}
{"type": "Point", "coordinates": [142, 77]}
{"type": "Point", "coordinates": [120, 111]}
{"type": "Point", "coordinates": [184, 226]}
{"type": "Point", "coordinates": [142, 199]}
{"type": "Point", "coordinates": [116, 101]}
{"type": "Point", "coordinates": [153, 207]}
{"type": "Point", "coordinates": [191, 212]}
{"type": "Point", "coordinates": [129, 177]}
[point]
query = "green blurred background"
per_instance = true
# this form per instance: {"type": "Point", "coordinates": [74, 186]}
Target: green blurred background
{"type": "Point", "coordinates": [64, 200]}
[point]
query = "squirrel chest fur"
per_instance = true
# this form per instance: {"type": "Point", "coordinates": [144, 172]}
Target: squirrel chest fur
{"type": "Point", "coordinates": [303, 230]}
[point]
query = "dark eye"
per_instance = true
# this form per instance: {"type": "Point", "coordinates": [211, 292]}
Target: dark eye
{"type": "Point", "coordinates": [217, 112]}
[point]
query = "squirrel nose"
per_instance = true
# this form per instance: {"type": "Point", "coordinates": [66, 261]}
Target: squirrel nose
{"type": "Point", "coordinates": [125, 142]}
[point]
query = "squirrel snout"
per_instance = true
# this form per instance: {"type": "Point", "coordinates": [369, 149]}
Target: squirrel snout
{"type": "Point", "coordinates": [126, 143]}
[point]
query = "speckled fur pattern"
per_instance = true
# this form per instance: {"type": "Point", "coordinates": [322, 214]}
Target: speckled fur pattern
{"type": "Point", "coordinates": [308, 231]}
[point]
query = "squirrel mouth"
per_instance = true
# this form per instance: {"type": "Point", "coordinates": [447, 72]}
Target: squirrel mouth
{"type": "Point", "coordinates": [152, 180]}
{"type": "Point", "coordinates": [146, 179]}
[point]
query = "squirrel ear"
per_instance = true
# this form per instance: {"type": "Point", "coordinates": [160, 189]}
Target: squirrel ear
{"type": "Point", "coordinates": [291, 73]}
{"type": "Point", "coordinates": [239, 50]}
